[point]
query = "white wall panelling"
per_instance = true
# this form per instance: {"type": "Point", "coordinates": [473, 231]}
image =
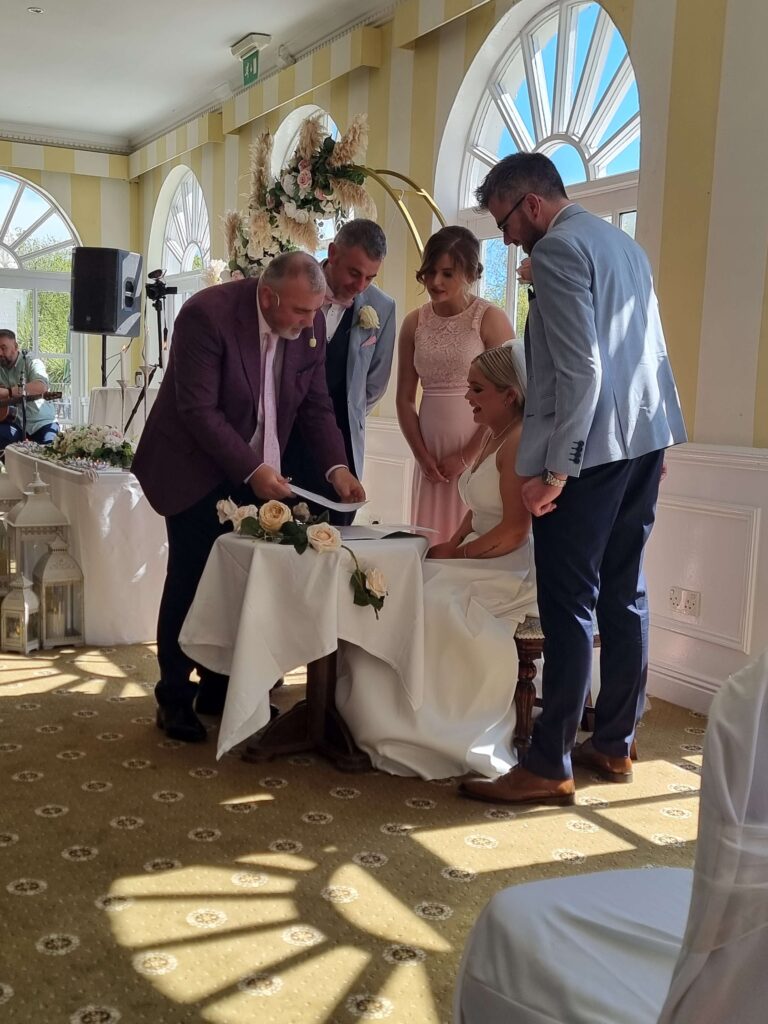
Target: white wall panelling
{"type": "Point", "coordinates": [707, 538]}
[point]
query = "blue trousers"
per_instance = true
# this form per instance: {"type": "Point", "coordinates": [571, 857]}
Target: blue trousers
{"type": "Point", "coordinates": [589, 558]}
{"type": "Point", "coordinates": [11, 432]}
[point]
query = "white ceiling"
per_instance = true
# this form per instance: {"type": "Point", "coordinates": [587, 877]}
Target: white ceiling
{"type": "Point", "coordinates": [105, 72]}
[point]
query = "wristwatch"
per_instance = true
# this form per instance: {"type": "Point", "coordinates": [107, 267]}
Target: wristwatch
{"type": "Point", "coordinates": [553, 481]}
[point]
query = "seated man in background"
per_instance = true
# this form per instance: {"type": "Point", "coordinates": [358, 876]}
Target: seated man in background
{"type": "Point", "coordinates": [20, 373]}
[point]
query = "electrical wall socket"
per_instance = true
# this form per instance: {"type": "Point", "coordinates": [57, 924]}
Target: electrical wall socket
{"type": "Point", "coordinates": [685, 602]}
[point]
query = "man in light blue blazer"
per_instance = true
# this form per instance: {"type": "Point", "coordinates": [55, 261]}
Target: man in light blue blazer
{"type": "Point", "coordinates": [601, 407]}
{"type": "Point", "coordinates": [360, 324]}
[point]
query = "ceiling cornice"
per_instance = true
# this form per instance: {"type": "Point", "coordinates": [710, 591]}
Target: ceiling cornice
{"type": "Point", "coordinates": [42, 136]}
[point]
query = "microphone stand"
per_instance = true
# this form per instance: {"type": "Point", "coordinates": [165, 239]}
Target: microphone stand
{"type": "Point", "coordinates": [23, 386]}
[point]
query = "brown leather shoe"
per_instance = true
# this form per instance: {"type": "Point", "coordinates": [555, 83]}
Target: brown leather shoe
{"type": "Point", "coordinates": [519, 786]}
{"type": "Point", "coordinates": [611, 769]}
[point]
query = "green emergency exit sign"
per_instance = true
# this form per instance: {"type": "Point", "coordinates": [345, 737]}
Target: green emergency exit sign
{"type": "Point", "coordinates": [251, 68]}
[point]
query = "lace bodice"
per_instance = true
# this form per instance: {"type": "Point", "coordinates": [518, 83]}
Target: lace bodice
{"type": "Point", "coordinates": [444, 346]}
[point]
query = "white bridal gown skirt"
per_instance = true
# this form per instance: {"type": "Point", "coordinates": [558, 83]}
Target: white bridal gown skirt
{"type": "Point", "coordinates": [466, 718]}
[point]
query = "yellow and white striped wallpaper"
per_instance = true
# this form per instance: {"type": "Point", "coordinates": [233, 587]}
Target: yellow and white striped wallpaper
{"type": "Point", "coordinates": [703, 207]}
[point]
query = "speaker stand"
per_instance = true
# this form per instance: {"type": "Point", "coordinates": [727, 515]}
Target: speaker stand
{"type": "Point", "coordinates": [103, 360]}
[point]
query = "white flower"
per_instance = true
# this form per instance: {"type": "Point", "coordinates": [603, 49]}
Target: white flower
{"type": "Point", "coordinates": [212, 273]}
{"type": "Point", "coordinates": [288, 181]}
{"type": "Point", "coordinates": [301, 512]}
{"type": "Point", "coordinates": [376, 583]}
{"type": "Point", "coordinates": [254, 251]}
{"type": "Point", "coordinates": [323, 537]}
{"type": "Point", "coordinates": [273, 514]}
{"type": "Point", "coordinates": [244, 512]}
{"type": "Point", "coordinates": [295, 213]}
{"type": "Point", "coordinates": [368, 318]}
{"type": "Point", "coordinates": [226, 510]}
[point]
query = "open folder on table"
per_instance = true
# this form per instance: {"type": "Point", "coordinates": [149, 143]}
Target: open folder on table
{"type": "Point", "coordinates": [378, 531]}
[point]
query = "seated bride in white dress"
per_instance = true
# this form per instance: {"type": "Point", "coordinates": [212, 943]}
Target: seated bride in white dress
{"type": "Point", "coordinates": [478, 587]}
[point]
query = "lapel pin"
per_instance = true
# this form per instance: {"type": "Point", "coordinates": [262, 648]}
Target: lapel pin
{"type": "Point", "coordinates": [313, 342]}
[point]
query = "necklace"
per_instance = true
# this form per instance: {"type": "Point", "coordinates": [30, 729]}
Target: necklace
{"type": "Point", "coordinates": [491, 437]}
{"type": "Point", "coordinates": [495, 437]}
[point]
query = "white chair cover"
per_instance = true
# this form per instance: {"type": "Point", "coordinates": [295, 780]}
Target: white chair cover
{"type": "Point", "coordinates": [722, 972]}
{"type": "Point", "coordinates": [590, 949]}
{"type": "Point", "coordinates": [603, 948]}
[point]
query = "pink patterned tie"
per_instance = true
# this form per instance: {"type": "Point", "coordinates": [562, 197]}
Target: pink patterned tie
{"type": "Point", "coordinates": [271, 453]}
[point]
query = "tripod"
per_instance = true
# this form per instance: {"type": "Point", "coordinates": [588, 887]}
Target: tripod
{"type": "Point", "coordinates": [156, 290]}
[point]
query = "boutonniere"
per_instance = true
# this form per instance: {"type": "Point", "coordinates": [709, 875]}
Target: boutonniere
{"type": "Point", "coordinates": [313, 342]}
{"type": "Point", "coordinates": [367, 318]}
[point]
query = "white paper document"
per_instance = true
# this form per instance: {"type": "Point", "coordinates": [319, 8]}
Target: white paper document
{"type": "Point", "coordinates": [319, 499]}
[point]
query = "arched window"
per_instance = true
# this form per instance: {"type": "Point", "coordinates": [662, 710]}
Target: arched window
{"type": "Point", "coordinates": [285, 142]}
{"type": "Point", "coordinates": [186, 240]}
{"type": "Point", "coordinates": [179, 243]}
{"type": "Point", "coordinates": [36, 240]}
{"type": "Point", "coordinates": [562, 85]}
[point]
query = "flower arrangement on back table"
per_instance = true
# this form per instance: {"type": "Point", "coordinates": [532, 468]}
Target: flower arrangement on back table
{"type": "Point", "coordinates": [89, 446]}
{"type": "Point", "coordinates": [322, 179]}
{"type": "Point", "coordinates": [275, 523]}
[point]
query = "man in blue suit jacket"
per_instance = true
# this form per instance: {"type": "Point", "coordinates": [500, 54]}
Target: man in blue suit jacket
{"type": "Point", "coordinates": [601, 407]}
{"type": "Point", "coordinates": [360, 322]}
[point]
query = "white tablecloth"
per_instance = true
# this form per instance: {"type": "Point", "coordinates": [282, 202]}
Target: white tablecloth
{"type": "Point", "coordinates": [116, 538]}
{"type": "Point", "coordinates": [262, 610]}
{"type": "Point", "coordinates": [107, 408]}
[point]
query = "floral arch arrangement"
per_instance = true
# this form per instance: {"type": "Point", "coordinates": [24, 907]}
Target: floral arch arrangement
{"type": "Point", "coordinates": [323, 178]}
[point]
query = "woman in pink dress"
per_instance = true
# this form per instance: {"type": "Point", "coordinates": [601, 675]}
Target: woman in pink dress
{"type": "Point", "coordinates": [437, 343]}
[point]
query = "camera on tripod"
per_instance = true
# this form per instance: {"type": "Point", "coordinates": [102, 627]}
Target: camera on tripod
{"type": "Point", "coordinates": [156, 288]}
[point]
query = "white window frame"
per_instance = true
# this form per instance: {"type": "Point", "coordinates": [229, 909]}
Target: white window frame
{"type": "Point", "coordinates": [604, 197]}
{"type": "Point", "coordinates": [28, 279]}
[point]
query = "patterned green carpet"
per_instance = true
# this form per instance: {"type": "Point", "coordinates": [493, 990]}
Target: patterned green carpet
{"type": "Point", "coordinates": [142, 881]}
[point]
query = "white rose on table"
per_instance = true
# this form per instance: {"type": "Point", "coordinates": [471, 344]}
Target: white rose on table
{"type": "Point", "coordinates": [244, 512]}
{"type": "Point", "coordinates": [368, 318]}
{"type": "Point", "coordinates": [273, 514]}
{"type": "Point", "coordinates": [376, 583]}
{"type": "Point", "coordinates": [323, 537]}
{"type": "Point", "coordinates": [226, 510]}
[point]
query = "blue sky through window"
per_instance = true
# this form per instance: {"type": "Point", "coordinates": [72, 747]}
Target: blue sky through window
{"type": "Point", "coordinates": [513, 80]}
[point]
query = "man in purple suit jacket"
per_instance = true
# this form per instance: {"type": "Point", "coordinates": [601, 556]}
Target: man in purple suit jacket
{"type": "Point", "coordinates": [205, 436]}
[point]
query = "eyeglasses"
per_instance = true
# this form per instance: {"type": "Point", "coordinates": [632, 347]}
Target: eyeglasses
{"type": "Point", "coordinates": [501, 225]}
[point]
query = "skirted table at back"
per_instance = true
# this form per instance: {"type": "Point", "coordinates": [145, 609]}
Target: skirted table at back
{"type": "Point", "coordinates": [118, 541]}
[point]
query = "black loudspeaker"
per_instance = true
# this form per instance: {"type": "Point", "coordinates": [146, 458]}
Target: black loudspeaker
{"type": "Point", "coordinates": [106, 291]}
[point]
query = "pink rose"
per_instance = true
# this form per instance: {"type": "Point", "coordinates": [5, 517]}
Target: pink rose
{"type": "Point", "coordinates": [304, 165]}
{"type": "Point", "coordinates": [304, 180]}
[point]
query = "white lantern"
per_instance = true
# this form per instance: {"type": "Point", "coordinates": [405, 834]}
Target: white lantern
{"type": "Point", "coordinates": [32, 524]}
{"type": "Point", "coordinates": [20, 618]}
{"type": "Point", "coordinates": [5, 555]}
{"type": "Point", "coordinates": [10, 494]}
{"type": "Point", "coordinates": [59, 584]}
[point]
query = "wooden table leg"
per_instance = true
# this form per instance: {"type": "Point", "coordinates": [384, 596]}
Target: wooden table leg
{"type": "Point", "coordinates": [525, 695]}
{"type": "Point", "coordinates": [314, 724]}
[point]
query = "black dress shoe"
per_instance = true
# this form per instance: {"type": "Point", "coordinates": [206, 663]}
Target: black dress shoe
{"type": "Point", "coordinates": [180, 723]}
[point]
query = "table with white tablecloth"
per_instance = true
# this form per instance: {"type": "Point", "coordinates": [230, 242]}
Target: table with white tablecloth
{"type": "Point", "coordinates": [117, 539]}
{"type": "Point", "coordinates": [111, 407]}
{"type": "Point", "coordinates": [262, 610]}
